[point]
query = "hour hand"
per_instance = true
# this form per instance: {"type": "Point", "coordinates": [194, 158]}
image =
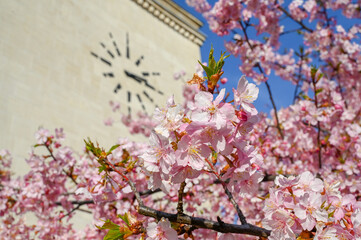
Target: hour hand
{"type": "Point", "coordinates": [138, 79]}
{"type": "Point", "coordinates": [135, 77]}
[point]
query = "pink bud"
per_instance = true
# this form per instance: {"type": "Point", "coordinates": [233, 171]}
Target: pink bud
{"type": "Point", "coordinates": [303, 108]}
{"type": "Point", "coordinates": [338, 107]}
{"type": "Point", "coordinates": [224, 80]}
{"type": "Point", "coordinates": [242, 115]}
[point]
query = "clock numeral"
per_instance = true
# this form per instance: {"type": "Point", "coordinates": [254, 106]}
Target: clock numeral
{"type": "Point", "coordinates": [147, 96]}
{"type": "Point", "coordinates": [128, 53]}
{"type": "Point", "coordinates": [145, 74]}
{"type": "Point", "coordinates": [140, 101]}
{"type": "Point", "coordinates": [117, 88]}
{"type": "Point", "coordinates": [110, 74]}
{"type": "Point", "coordinates": [115, 45]}
{"type": "Point", "coordinates": [139, 61]}
{"type": "Point", "coordinates": [108, 51]}
{"type": "Point", "coordinates": [102, 59]}
{"type": "Point", "coordinates": [129, 96]}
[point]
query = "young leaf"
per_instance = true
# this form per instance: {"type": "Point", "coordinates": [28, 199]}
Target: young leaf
{"type": "Point", "coordinates": [319, 90]}
{"type": "Point", "coordinates": [115, 231]}
{"type": "Point", "coordinates": [124, 218]}
{"type": "Point", "coordinates": [108, 224]}
{"type": "Point", "coordinates": [112, 148]}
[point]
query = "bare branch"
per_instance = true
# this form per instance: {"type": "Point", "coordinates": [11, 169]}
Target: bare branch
{"type": "Point", "coordinates": [180, 198]}
{"type": "Point", "coordinates": [204, 223]}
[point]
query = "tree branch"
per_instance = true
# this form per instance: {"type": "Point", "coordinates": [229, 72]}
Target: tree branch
{"type": "Point", "coordinates": [242, 218]}
{"type": "Point", "coordinates": [298, 22]}
{"type": "Point", "coordinates": [204, 223]}
{"type": "Point", "coordinates": [53, 157]}
{"type": "Point", "coordinates": [245, 228]}
{"type": "Point", "coordinates": [180, 198]}
{"type": "Point", "coordinates": [267, 85]}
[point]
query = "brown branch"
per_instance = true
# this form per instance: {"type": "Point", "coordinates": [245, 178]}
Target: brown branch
{"type": "Point", "coordinates": [313, 77]}
{"type": "Point", "coordinates": [245, 228]}
{"type": "Point", "coordinates": [180, 198]}
{"type": "Point", "coordinates": [53, 157]}
{"type": "Point", "coordinates": [242, 218]}
{"type": "Point", "coordinates": [298, 22]}
{"type": "Point", "coordinates": [204, 223]}
{"type": "Point", "coordinates": [267, 85]}
{"type": "Point", "coordinates": [274, 108]}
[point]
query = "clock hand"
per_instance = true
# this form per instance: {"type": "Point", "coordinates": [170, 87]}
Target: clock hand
{"type": "Point", "coordinates": [139, 79]}
{"type": "Point", "coordinates": [131, 75]}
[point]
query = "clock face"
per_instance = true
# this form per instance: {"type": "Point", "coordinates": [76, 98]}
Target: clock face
{"type": "Point", "coordinates": [132, 83]}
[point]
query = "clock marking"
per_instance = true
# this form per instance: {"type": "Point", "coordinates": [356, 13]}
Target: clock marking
{"type": "Point", "coordinates": [115, 44]}
{"type": "Point", "coordinates": [110, 74]}
{"type": "Point", "coordinates": [128, 54]}
{"type": "Point", "coordinates": [102, 59]}
{"type": "Point", "coordinates": [145, 74]}
{"type": "Point", "coordinates": [147, 96]}
{"type": "Point", "coordinates": [139, 60]}
{"type": "Point", "coordinates": [117, 88]}
{"type": "Point", "coordinates": [140, 101]}
{"type": "Point", "coordinates": [108, 51]}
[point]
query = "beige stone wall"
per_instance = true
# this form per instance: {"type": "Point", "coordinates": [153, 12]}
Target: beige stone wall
{"type": "Point", "coordinates": [49, 78]}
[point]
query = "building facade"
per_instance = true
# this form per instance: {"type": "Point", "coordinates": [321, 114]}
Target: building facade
{"type": "Point", "coordinates": [62, 62]}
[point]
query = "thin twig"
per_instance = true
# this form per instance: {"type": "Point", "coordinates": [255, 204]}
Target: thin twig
{"type": "Point", "coordinates": [299, 77]}
{"type": "Point", "coordinates": [298, 22]}
{"type": "Point", "coordinates": [318, 123]}
{"type": "Point", "coordinates": [275, 109]}
{"type": "Point", "coordinates": [242, 218]}
{"type": "Point", "coordinates": [180, 198]}
{"type": "Point", "coordinates": [267, 85]}
{"type": "Point", "coordinates": [131, 184]}
{"type": "Point", "coordinates": [52, 155]}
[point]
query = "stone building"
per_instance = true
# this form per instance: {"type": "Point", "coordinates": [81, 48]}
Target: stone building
{"type": "Point", "coordinates": [62, 62]}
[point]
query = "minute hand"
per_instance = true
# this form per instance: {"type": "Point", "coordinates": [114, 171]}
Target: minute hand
{"type": "Point", "coordinates": [138, 79]}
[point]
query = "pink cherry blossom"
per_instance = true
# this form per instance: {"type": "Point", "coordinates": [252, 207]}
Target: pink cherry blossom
{"type": "Point", "coordinates": [161, 231]}
{"type": "Point", "coordinates": [245, 94]}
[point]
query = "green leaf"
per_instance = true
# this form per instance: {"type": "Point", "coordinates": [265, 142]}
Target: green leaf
{"type": "Point", "coordinates": [319, 90]}
{"type": "Point", "coordinates": [313, 72]}
{"type": "Point", "coordinates": [209, 71]}
{"type": "Point", "coordinates": [108, 224]}
{"type": "Point", "coordinates": [211, 61]}
{"type": "Point", "coordinates": [319, 77]}
{"type": "Point", "coordinates": [101, 168]}
{"type": "Point", "coordinates": [112, 148]}
{"type": "Point", "coordinates": [114, 232]}
{"type": "Point", "coordinates": [301, 50]}
{"type": "Point", "coordinates": [124, 218]}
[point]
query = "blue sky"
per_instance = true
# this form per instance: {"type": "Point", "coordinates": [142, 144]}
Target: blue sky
{"type": "Point", "coordinates": [282, 90]}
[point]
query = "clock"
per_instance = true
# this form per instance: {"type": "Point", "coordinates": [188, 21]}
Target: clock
{"type": "Point", "coordinates": [131, 82]}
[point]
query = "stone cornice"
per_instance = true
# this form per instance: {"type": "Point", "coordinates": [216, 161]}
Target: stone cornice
{"type": "Point", "coordinates": [175, 17]}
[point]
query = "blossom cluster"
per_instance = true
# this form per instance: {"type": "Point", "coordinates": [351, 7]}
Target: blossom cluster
{"type": "Point", "coordinates": [298, 205]}
{"type": "Point", "coordinates": [205, 136]}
